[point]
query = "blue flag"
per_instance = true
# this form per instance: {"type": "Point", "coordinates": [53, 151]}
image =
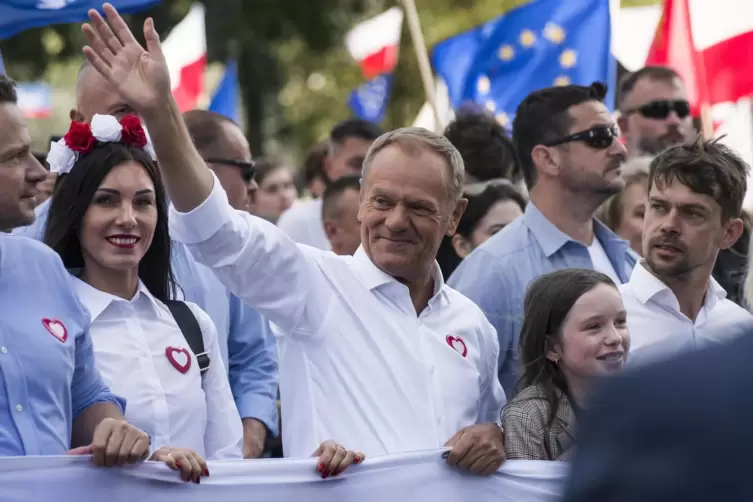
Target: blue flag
{"type": "Point", "coordinates": [541, 44]}
{"type": "Point", "coordinates": [369, 102]}
{"type": "Point", "coordinates": [225, 100]}
{"type": "Point", "coordinates": [20, 15]}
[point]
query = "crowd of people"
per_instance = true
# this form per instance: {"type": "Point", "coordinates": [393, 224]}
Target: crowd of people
{"type": "Point", "coordinates": [466, 290]}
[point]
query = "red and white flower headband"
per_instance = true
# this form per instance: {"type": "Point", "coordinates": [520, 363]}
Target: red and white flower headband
{"type": "Point", "coordinates": [81, 138]}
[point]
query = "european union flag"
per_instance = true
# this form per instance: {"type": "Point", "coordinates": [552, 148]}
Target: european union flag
{"type": "Point", "coordinates": [541, 44]}
{"type": "Point", "coordinates": [225, 100]}
{"type": "Point", "coordinates": [20, 15]}
{"type": "Point", "coordinates": [369, 102]}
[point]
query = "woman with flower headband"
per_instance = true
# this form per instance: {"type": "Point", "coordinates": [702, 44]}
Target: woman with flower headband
{"type": "Point", "coordinates": [108, 222]}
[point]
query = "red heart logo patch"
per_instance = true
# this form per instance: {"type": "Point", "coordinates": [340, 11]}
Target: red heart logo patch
{"type": "Point", "coordinates": [180, 358]}
{"type": "Point", "coordinates": [457, 344]}
{"type": "Point", "coordinates": [56, 329]}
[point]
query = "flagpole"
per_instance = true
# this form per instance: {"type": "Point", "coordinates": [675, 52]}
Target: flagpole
{"type": "Point", "coordinates": [424, 67]}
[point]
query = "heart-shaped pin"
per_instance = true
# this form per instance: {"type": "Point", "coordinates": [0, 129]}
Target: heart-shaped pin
{"type": "Point", "coordinates": [458, 344]}
{"type": "Point", "coordinates": [179, 357]}
{"type": "Point", "coordinates": [56, 329]}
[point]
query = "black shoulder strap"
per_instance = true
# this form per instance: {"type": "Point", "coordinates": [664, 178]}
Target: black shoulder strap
{"type": "Point", "coordinates": [191, 330]}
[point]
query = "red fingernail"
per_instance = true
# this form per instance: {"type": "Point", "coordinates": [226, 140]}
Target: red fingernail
{"type": "Point", "coordinates": [320, 468]}
{"type": "Point", "coordinates": [325, 474]}
{"type": "Point", "coordinates": [177, 464]}
{"type": "Point", "coordinates": [206, 472]}
{"type": "Point", "coordinates": [357, 459]}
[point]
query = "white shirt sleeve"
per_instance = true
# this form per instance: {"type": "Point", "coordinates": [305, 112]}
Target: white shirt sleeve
{"type": "Point", "coordinates": [493, 397]}
{"type": "Point", "coordinates": [223, 435]}
{"type": "Point", "coordinates": [256, 261]}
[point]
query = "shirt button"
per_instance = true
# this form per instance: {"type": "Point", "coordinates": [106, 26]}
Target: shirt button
{"type": "Point", "coordinates": [19, 408]}
{"type": "Point", "coordinates": [4, 350]}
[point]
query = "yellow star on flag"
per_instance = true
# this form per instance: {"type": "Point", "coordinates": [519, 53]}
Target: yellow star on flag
{"type": "Point", "coordinates": [506, 52]}
{"type": "Point", "coordinates": [554, 33]}
{"type": "Point", "coordinates": [491, 106]}
{"type": "Point", "coordinates": [568, 58]}
{"type": "Point", "coordinates": [503, 119]}
{"type": "Point", "coordinates": [483, 85]}
{"type": "Point", "coordinates": [561, 80]}
{"type": "Point", "coordinates": [527, 38]}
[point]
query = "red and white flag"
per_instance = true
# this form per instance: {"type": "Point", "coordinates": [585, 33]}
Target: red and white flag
{"type": "Point", "coordinates": [722, 35]}
{"type": "Point", "coordinates": [185, 50]}
{"type": "Point", "coordinates": [375, 43]}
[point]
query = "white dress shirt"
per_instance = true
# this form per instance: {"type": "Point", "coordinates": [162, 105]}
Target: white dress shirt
{"type": "Point", "coordinates": [658, 329]}
{"type": "Point", "coordinates": [357, 364]}
{"type": "Point", "coordinates": [175, 408]}
{"type": "Point", "coordinates": [303, 223]}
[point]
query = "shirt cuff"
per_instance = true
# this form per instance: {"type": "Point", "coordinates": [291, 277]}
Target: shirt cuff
{"type": "Point", "coordinates": [261, 408]}
{"type": "Point", "coordinates": [204, 221]}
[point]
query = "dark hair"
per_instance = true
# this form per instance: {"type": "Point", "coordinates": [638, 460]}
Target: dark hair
{"type": "Point", "coordinates": [353, 128]}
{"type": "Point", "coordinates": [265, 166]}
{"type": "Point", "coordinates": [706, 167]}
{"type": "Point", "coordinates": [205, 128]}
{"type": "Point", "coordinates": [548, 301]}
{"type": "Point", "coordinates": [543, 117]}
{"type": "Point", "coordinates": [478, 206]}
{"type": "Point", "coordinates": [634, 171]}
{"type": "Point", "coordinates": [73, 195]}
{"type": "Point", "coordinates": [7, 90]}
{"type": "Point", "coordinates": [628, 82]}
{"type": "Point", "coordinates": [487, 151]}
{"type": "Point", "coordinates": [335, 189]}
{"type": "Point", "coordinates": [313, 166]}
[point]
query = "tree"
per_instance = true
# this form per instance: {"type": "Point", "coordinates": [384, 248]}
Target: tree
{"type": "Point", "coordinates": [294, 71]}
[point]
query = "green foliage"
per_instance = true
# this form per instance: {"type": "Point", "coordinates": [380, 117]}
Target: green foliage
{"type": "Point", "coordinates": [295, 72]}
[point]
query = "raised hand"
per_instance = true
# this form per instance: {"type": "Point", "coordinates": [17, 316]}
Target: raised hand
{"type": "Point", "coordinates": [141, 76]}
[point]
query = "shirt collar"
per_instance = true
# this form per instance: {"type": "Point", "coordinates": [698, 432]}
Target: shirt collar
{"type": "Point", "coordinates": [373, 277]}
{"type": "Point", "coordinates": [646, 286]}
{"type": "Point", "coordinates": [97, 301]}
{"type": "Point", "coordinates": [551, 239]}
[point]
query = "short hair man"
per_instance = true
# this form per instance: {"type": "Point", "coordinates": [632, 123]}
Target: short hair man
{"type": "Point", "coordinates": [246, 343]}
{"type": "Point", "coordinates": [487, 151]}
{"type": "Point", "coordinates": [340, 203]}
{"type": "Point", "coordinates": [348, 143]}
{"type": "Point", "coordinates": [52, 396]}
{"type": "Point", "coordinates": [696, 193]}
{"type": "Point", "coordinates": [313, 169]}
{"type": "Point", "coordinates": [226, 151]}
{"type": "Point", "coordinates": [654, 111]}
{"type": "Point", "coordinates": [569, 151]}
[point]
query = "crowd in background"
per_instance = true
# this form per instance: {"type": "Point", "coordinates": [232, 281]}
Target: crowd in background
{"type": "Point", "coordinates": [576, 246]}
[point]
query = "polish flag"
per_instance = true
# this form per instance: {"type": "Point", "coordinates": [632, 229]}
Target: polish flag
{"type": "Point", "coordinates": [185, 50]}
{"type": "Point", "coordinates": [673, 46]}
{"type": "Point", "coordinates": [722, 34]}
{"type": "Point", "coordinates": [375, 43]}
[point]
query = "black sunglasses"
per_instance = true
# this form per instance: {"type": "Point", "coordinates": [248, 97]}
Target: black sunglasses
{"type": "Point", "coordinates": [662, 108]}
{"type": "Point", "coordinates": [248, 169]}
{"type": "Point", "coordinates": [599, 137]}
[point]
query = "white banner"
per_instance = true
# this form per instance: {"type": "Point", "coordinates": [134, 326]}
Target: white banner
{"type": "Point", "coordinates": [398, 478]}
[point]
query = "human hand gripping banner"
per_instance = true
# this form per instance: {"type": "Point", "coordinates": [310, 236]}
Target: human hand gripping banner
{"type": "Point", "coordinates": [407, 477]}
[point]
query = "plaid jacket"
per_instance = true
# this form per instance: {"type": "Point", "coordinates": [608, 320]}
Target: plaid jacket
{"type": "Point", "coordinates": [527, 436]}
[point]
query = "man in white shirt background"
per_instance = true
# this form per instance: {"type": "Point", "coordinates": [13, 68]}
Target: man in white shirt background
{"type": "Point", "coordinates": [340, 202]}
{"type": "Point", "coordinates": [695, 201]}
{"type": "Point", "coordinates": [348, 142]}
{"type": "Point", "coordinates": [377, 350]}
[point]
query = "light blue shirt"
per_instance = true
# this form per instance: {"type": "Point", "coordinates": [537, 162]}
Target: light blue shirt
{"type": "Point", "coordinates": [47, 371]}
{"type": "Point", "coordinates": [497, 273]}
{"type": "Point", "coordinates": [246, 341]}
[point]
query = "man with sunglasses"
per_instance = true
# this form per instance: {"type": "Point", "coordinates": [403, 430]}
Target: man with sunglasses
{"type": "Point", "coordinates": [568, 147]}
{"type": "Point", "coordinates": [654, 111]}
